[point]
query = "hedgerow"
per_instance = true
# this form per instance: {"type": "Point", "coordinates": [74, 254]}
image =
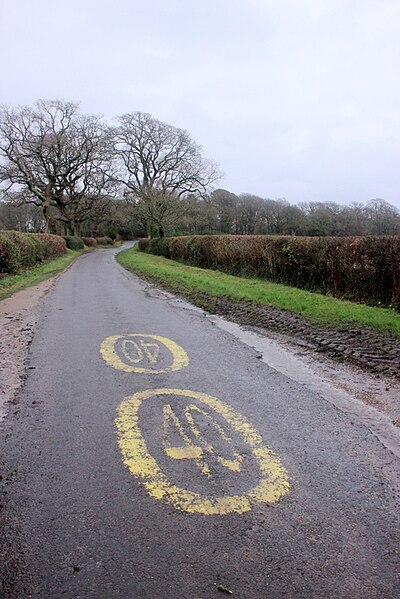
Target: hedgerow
{"type": "Point", "coordinates": [104, 241]}
{"type": "Point", "coordinates": [24, 250]}
{"type": "Point", "coordinates": [54, 245]}
{"type": "Point", "coordinates": [89, 241]}
{"type": "Point", "coordinates": [10, 257]}
{"type": "Point", "coordinates": [362, 269]}
{"type": "Point", "coordinates": [74, 243]}
{"type": "Point", "coordinates": [30, 248]}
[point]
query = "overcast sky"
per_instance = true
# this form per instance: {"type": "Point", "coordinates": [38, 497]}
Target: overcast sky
{"type": "Point", "coordinates": [293, 98]}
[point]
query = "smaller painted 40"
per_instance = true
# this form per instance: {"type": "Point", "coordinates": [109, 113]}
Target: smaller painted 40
{"type": "Point", "coordinates": [271, 476]}
{"type": "Point", "coordinates": [143, 354]}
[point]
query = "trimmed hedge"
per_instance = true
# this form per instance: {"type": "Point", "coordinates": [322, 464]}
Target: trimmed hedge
{"type": "Point", "coordinates": [74, 243]}
{"type": "Point", "coordinates": [90, 241]}
{"type": "Point", "coordinates": [54, 245]}
{"type": "Point", "coordinates": [9, 255]}
{"type": "Point", "coordinates": [30, 248]}
{"type": "Point", "coordinates": [25, 250]}
{"type": "Point", "coordinates": [361, 269]}
{"type": "Point", "coordinates": [104, 241]}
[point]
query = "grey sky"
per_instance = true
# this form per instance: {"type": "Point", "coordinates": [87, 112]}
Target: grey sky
{"type": "Point", "coordinates": [293, 98]}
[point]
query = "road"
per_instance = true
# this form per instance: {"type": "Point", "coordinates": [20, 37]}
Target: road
{"type": "Point", "coordinates": [154, 455]}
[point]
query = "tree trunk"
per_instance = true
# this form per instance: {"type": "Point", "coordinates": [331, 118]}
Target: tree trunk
{"type": "Point", "coordinates": [46, 218]}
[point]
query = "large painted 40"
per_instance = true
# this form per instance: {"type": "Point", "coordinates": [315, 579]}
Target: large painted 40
{"type": "Point", "coordinates": [199, 437]}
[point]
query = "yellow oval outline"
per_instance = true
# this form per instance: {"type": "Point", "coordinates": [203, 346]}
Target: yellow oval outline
{"type": "Point", "coordinates": [107, 350]}
{"type": "Point", "coordinates": [273, 484]}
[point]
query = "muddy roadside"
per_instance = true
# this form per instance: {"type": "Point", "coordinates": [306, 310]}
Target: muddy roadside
{"type": "Point", "coordinates": [358, 360]}
{"type": "Point", "coordinates": [18, 318]}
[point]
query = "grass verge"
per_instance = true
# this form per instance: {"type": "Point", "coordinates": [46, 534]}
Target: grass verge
{"type": "Point", "coordinates": [316, 308]}
{"type": "Point", "coordinates": [13, 283]}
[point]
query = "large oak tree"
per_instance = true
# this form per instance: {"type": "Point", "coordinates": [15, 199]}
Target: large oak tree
{"type": "Point", "coordinates": [159, 165]}
{"type": "Point", "coordinates": [56, 156]}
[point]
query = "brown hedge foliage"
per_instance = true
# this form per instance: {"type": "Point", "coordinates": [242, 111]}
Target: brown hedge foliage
{"type": "Point", "coordinates": [104, 241]}
{"type": "Point", "coordinates": [54, 245]}
{"type": "Point", "coordinates": [89, 241]}
{"type": "Point", "coordinates": [362, 269]}
{"type": "Point", "coordinates": [24, 250]}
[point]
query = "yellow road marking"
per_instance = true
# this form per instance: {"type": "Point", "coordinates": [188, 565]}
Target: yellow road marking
{"type": "Point", "coordinates": [235, 464]}
{"type": "Point", "coordinates": [142, 351]}
{"type": "Point", "coordinates": [128, 355]}
{"type": "Point", "coordinates": [273, 480]}
{"type": "Point", "coordinates": [151, 350]}
{"type": "Point", "coordinates": [188, 451]}
{"type": "Point", "coordinates": [184, 453]}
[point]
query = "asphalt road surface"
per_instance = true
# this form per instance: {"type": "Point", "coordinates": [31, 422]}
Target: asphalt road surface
{"type": "Point", "coordinates": [154, 455]}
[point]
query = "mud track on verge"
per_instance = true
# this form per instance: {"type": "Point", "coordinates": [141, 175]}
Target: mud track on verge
{"type": "Point", "coordinates": [375, 352]}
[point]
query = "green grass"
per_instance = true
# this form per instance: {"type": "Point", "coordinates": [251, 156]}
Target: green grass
{"type": "Point", "coordinates": [34, 276]}
{"type": "Point", "coordinates": [320, 309]}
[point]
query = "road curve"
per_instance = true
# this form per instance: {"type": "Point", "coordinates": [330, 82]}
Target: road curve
{"type": "Point", "coordinates": [153, 455]}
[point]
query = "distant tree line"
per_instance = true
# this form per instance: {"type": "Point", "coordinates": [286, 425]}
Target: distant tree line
{"type": "Point", "coordinates": [247, 214]}
{"type": "Point", "coordinates": [70, 173]}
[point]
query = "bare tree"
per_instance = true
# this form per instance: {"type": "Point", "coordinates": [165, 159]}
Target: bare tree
{"type": "Point", "coordinates": [159, 164]}
{"type": "Point", "coordinates": [382, 218]}
{"type": "Point", "coordinates": [225, 204]}
{"type": "Point", "coordinates": [250, 211]}
{"type": "Point", "coordinates": [53, 154]}
{"type": "Point", "coordinates": [89, 186]}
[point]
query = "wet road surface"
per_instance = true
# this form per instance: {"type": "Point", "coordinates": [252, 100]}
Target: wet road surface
{"type": "Point", "coordinates": [154, 455]}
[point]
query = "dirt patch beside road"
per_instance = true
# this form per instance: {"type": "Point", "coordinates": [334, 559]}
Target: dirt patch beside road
{"type": "Point", "coordinates": [367, 348]}
{"type": "Point", "coordinates": [368, 362]}
{"type": "Point", "coordinates": [18, 317]}
{"type": "Point", "coordinates": [373, 351]}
